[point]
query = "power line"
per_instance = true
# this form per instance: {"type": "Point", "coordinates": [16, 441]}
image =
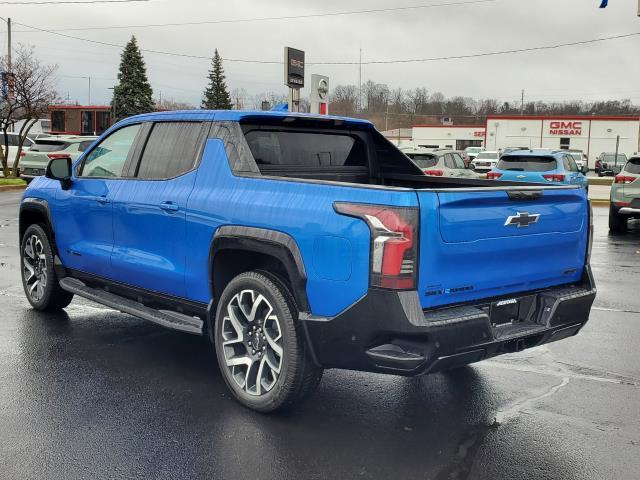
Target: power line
{"type": "Point", "coordinates": [485, 54]}
{"type": "Point", "coordinates": [370, 62]}
{"type": "Point", "coordinates": [117, 45]}
{"type": "Point", "coordinates": [64, 2]}
{"type": "Point", "coordinates": [269, 19]}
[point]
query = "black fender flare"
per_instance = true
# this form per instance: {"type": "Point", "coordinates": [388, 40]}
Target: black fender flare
{"type": "Point", "coordinates": [40, 206]}
{"type": "Point", "coordinates": [268, 242]}
{"type": "Point", "coordinates": [32, 204]}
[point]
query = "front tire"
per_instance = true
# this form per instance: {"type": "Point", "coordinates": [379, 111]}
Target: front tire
{"type": "Point", "coordinates": [617, 223]}
{"type": "Point", "coordinates": [39, 278]}
{"type": "Point", "coordinates": [261, 351]}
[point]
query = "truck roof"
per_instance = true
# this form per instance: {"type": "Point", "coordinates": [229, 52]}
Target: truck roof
{"type": "Point", "coordinates": [238, 115]}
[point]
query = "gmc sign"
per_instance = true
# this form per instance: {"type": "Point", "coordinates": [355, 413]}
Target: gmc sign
{"type": "Point", "coordinates": [565, 128]}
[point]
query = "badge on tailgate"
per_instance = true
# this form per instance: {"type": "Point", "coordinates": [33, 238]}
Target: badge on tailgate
{"type": "Point", "coordinates": [522, 219]}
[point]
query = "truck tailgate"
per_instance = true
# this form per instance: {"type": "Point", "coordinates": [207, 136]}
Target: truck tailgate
{"type": "Point", "coordinates": [482, 243]}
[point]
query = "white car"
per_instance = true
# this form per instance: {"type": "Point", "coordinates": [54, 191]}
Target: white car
{"type": "Point", "coordinates": [485, 161]}
{"type": "Point", "coordinates": [439, 163]}
{"type": "Point", "coordinates": [14, 141]}
{"type": "Point", "coordinates": [579, 157]}
{"type": "Point", "coordinates": [34, 162]}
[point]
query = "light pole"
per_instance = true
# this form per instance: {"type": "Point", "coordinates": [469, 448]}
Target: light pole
{"type": "Point", "coordinates": [495, 138]}
{"type": "Point", "coordinates": [113, 108]}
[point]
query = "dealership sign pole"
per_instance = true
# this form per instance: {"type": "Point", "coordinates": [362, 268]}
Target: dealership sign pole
{"type": "Point", "coordinates": [294, 76]}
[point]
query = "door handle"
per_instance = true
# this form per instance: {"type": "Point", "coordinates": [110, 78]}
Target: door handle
{"type": "Point", "coordinates": [169, 206]}
{"type": "Point", "coordinates": [103, 199]}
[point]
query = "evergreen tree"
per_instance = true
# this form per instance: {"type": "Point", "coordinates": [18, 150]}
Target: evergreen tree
{"type": "Point", "coordinates": [216, 96]}
{"type": "Point", "coordinates": [133, 94]}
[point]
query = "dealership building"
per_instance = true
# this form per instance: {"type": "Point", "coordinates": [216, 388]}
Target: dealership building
{"type": "Point", "coordinates": [592, 134]}
{"type": "Point", "coordinates": [456, 137]}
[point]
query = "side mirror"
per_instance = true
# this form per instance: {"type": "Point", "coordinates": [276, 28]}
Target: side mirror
{"type": "Point", "coordinates": [584, 169]}
{"type": "Point", "coordinates": [60, 169]}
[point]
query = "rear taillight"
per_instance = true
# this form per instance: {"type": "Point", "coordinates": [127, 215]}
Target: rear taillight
{"type": "Point", "coordinates": [434, 173]}
{"type": "Point", "coordinates": [493, 175]}
{"type": "Point", "coordinates": [23, 154]}
{"type": "Point", "coordinates": [394, 243]}
{"type": "Point", "coordinates": [554, 177]}
{"type": "Point", "coordinates": [57, 155]}
{"type": "Point", "coordinates": [624, 179]}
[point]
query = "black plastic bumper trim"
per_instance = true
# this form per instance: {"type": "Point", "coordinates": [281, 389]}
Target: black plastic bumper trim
{"type": "Point", "coordinates": [387, 332]}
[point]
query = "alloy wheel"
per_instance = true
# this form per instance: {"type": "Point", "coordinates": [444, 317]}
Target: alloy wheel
{"type": "Point", "coordinates": [252, 342]}
{"type": "Point", "coordinates": [34, 269]}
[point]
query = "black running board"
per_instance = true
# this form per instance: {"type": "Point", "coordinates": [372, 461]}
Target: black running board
{"type": "Point", "coordinates": [166, 318]}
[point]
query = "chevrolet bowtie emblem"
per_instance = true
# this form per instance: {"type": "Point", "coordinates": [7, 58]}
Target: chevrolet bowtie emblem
{"type": "Point", "coordinates": [522, 219]}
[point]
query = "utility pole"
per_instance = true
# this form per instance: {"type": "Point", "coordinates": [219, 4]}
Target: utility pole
{"type": "Point", "coordinates": [522, 103]}
{"type": "Point", "coordinates": [360, 82]}
{"type": "Point", "coordinates": [8, 45]}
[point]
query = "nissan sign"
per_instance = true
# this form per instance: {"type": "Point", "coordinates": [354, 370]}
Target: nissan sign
{"type": "Point", "coordinates": [293, 67]}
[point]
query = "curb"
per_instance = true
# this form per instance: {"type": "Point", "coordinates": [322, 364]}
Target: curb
{"type": "Point", "coordinates": [10, 188]}
{"type": "Point", "coordinates": [601, 181]}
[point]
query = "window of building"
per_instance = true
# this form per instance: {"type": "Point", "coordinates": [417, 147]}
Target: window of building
{"type": "Point", "coordinates": [107, 159]}
{"type": "Point", "coordinates": [565, 143]}
{"type": "Point", "coordinates": [462, 144]}
{"type": "Point", "coordinates": [87, 122]}
{"type": "Point", "coordinates": [103, 121]}
{"type": "Point", "coordinates": [171, 150]}
{"type": "Point", "coordinates": [57, 121]}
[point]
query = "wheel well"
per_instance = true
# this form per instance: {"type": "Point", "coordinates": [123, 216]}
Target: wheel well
{"type": "Point", "coordinates": [229, 263]}
{"type": "Point", "coordinates": [31, 216]}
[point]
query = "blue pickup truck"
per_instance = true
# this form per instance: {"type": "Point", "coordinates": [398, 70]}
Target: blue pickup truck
{"type": "Point", "coordinates": [298, 243]}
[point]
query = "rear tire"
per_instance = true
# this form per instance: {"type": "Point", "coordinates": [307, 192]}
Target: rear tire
{"type": "Point", "coordinates": [261, 351]}
{"type": "Point", "coordinates": [617, 223]}
{"type": "Point", "coordinates": [39, 278]}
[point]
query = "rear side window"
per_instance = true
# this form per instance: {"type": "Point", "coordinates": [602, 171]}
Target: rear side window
{"type": "Point", "coordinates": [424, 161]}
{"type": "Point", "coordinates": [633, 166]}
{"type": "Point", "coordinates": [458, 161]}
{"type": "Point", "coordinates": [49, 146]}
{"type": "Point", "coordinates": [527, 163]}
{"type": "Point", "coordinates": [171, 150]}
{"type": "Point", "coordinates": [291, 149]}
{"type": "Point", "coordinates": [573, 166]}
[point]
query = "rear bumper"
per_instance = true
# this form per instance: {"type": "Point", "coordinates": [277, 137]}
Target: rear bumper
{"type": "Point", "coordinates": [388, 332]}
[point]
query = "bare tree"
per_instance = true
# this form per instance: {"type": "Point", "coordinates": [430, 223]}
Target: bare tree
{"type": "Point", "coordinates": [171, 104]}
{"type": "Point", "coordinates": [28, 99]}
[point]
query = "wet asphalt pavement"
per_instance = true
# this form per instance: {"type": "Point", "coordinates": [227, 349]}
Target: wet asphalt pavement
{"type": "Point", "coordinates": [92, 393]}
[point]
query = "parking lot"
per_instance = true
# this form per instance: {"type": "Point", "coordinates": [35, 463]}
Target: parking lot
{"type": "Point", "coordinates": [95, 393]}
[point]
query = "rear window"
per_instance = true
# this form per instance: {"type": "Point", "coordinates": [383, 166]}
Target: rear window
{"type": "Point", "coordinates": [487, 156]}
{"type": "Point", "coordinates": [527, 163]}
{"type": "Point", "coordinates": [49, 146]}
{"type": "Point", "coordinates": [291, 149]}
{"type": "Point", "coordinates": [423, 161]}
{"type": "Point", "coordinates": [633, 166]}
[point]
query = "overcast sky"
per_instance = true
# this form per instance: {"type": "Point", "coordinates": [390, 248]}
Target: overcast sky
{"type": "Point", "coordinates": [597, 71]}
